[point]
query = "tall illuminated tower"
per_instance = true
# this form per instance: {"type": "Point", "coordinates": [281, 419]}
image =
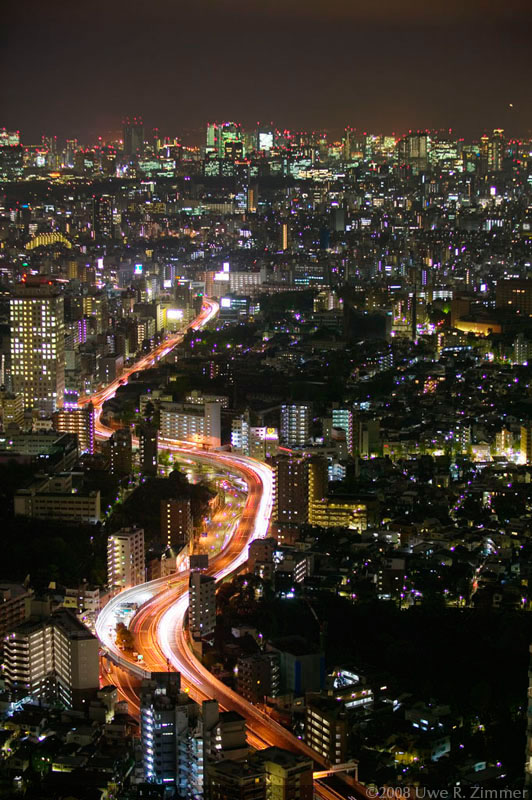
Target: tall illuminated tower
{"type": "Point", "coordinates": [38, 345]}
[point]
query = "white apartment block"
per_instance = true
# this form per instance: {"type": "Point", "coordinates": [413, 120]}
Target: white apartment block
{"type": "Point", "coordinates": [202, 604]}
{"type": "Point", "coordinates": [57, 657]}
{"type": "Point", "coordinates": [296, 420]}
{"type": "Point", "coordinates": [55, 498]}
{"type": "Point", "coordinates": [192, 422]}
{"type": "Point", "coordinates": [125, 558]}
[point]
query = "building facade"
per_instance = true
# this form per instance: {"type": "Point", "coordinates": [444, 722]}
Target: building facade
{"type": "Point", "coordinates": [125, 558]}
{"type": "Point", "coordinates": [176, 521]}
{"type": "Point", "coordinates": [38, 345]}
{"type": "Point", "coordinates": [55, 658]}
{"type": "Point", "coordinates": [296, 419]}
{"type": "Point", "coordinates": [192, 422]}
{"type": "Point", "coordinates": [79, 421]}
{"type": "Point", "coordinates": [202, 604]}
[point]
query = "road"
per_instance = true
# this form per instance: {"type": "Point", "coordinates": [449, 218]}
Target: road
{"type": "Point", "coordinates": [159, 624]}
{"type": "Point", "coordinates": [208, 312]}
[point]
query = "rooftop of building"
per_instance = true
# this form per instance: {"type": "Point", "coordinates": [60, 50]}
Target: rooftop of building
{"type": "Point", "coordinates": [326, 704]}
{"type": "Point", "coordinates": [11, 591]}
{"type": "Point", "coordinates": [62, 618]}
{"type": "Point", "coordinates": [236, 770]}
{"type": "Point", "coordinates": [295, 645]}
{"type": "Point", "coordinates": [282, 758]}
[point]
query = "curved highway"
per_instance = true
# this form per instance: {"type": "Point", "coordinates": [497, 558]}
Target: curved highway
{"type": "Point", "coordinates": [159, 623]}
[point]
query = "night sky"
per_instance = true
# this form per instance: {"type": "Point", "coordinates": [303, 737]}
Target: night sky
{"type": "Point", "coordinates": [76, 68]}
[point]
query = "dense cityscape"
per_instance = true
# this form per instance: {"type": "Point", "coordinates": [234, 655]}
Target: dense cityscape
{"type": "Point", "coordinates": [266, 460]}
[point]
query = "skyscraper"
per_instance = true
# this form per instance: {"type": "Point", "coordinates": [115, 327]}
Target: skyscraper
{"type": "Point", "coordinates": [413, 150]}
{"type": "Point", "coordinates": [295, 424]}
{"type": "Point", "coordinates": [224, 139]}
{"type": "Point", "coordinates": [492, 150]}
{"type": "Point", "coordinates": [38, 345]}
{"type": "Point", "coordinates": [133, 135]}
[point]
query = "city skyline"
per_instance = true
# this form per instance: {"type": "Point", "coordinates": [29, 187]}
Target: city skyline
{"type": "Point", "coordinates": [384, 69]}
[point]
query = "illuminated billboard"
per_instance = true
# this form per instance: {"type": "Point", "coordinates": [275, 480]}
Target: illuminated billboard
{"type": "Point", "coordinates": [138, 269]}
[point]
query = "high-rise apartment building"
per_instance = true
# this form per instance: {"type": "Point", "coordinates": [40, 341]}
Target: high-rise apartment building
{"type": "Point", "coordinates": [179, 736]}
{"type": "Point", "coordinates": [342, 418]}
{"type": "Point", "coordinates": [202, 604]}
{"type": "Point", "coordinates": [125, 558]}
{"type": "Point", "coordinates": [259, 676]}
{"type": "Point", "coordinates": [120, 452]}
{"type": "Point", "coordinates": [326, 727]}
{"type": "Point", "coordinates": [103, 216]}
{"type": "Point", "coordinates": [176, 521]}
{"type": "Point", "coordinates": [147, 448]}
{"type": "Point", "coordinates": [79, 421]}
{"type": "Point", "coordinates": [55, 659]}
{"type": "Point", "coordinates": [164, 728]}
{"type": "Point", "coordinates": [38, 345]}
{"type": "Point", "coordinates": [290, 488]}
{"type": "Point", "coordinates": [240, 434]}
{"type": "Point", "coordinates": [296, 419]}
